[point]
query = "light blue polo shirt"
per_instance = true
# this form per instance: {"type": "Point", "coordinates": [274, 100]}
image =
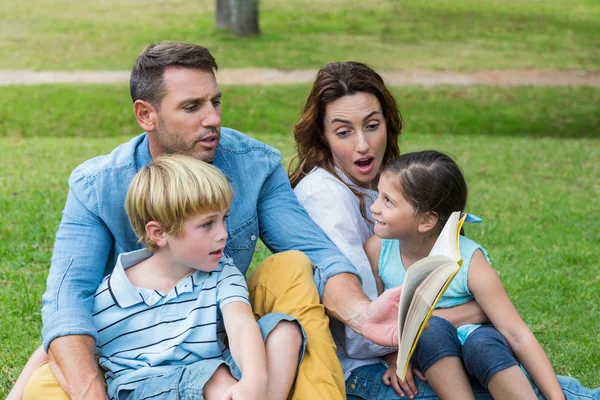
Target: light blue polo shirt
{"type": "Point", "coordinates": [143, 333]}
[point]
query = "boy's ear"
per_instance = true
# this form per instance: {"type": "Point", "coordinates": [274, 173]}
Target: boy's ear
{"type": "Point", "coordinates": [428, 221]}
{"type": "Point", "coordinates": [146, 115]}
{"type": "Point", "coordinates": [156, 234]}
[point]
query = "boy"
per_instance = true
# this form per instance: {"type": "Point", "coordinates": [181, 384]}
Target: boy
{"type": "Point", "coordinates": [163, 313]}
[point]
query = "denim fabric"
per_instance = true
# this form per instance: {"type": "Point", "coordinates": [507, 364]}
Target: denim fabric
{"type": "Point", "coordinates": [187, 382]}
{"type": "Point", "coordinates": [266, 325]}
{"type": "Point", "coordinates": [94, 229]}
{"type": "Point", "coordinates": [486, 352]}
{"type": "Point", "coordinates": [438, 341]}
{"type": "Point", "coordinates": [365, 384]}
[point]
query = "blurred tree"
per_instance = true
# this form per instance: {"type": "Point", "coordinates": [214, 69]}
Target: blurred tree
{"type": "Point", "coordinates": [238, 16]}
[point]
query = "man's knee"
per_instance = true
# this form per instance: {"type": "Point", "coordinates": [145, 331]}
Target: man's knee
{"type": "Point", "coordinates": [282, 270]}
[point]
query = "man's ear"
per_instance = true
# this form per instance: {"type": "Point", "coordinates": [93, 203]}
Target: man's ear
{"type": "Point", "coordinates": [428, 221]}
{"type": "Point", "coordinates": [146, 115]}
{"type": "Point", "coordinates": [156, 234]}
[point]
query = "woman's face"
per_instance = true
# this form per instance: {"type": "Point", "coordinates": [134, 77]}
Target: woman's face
{"type": "Point", "coordinates": [357, 134]}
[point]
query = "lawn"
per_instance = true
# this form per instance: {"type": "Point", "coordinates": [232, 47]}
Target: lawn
{"type": "Point", "coordinates": [530, 154]}
{"type": "Point", "coordinates": [530, 157]}
{"type": "Point", "coordinates": [388, 34]}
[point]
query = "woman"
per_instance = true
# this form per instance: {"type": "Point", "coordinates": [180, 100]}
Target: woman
{"type": "Point", "coordinates": [348, 129]}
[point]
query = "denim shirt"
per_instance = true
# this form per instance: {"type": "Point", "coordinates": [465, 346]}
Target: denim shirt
{"type": "Point", "coordinates": [95, 229]}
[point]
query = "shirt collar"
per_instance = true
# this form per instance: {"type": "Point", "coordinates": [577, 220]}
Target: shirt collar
{"type": "Point", "coordinates": [347, 181]}
{"type": "Point", "coordinates": [125, 294]}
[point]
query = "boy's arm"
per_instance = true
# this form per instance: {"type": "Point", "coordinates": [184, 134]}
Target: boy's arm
{"type": "Point", "coordinates": [247, 346]}
{"type": "Point", "coordinates": [487, 288]}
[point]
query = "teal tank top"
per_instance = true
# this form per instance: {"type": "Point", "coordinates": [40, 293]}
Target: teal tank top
{"type": "Point", "coordinates": [392, 274]}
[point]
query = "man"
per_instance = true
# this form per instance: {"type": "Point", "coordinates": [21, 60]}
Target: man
{"type": "Point", "coordinates": [177, 101]}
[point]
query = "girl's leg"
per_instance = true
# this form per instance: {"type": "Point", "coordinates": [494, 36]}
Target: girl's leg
{"type": "Point", "coordinates": [448, 378]}
{"type": "Point", "coordinates": [438, 356]}
{"type": "Point", "coordinates": [488, 356]}
{"type": "Point", "coordinates": [283, 347]}
{"type": "Point", "coordinates": [511, 383]}
{"type": "Point", "coordinates": [218, 383]}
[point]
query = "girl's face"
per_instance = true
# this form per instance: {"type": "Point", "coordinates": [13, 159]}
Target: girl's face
{"type": "Point", "coordinates": [356, 132]}
{"type": "Point", "coordinates": [395, 217]}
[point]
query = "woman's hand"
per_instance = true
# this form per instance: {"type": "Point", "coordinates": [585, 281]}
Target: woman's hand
{"type": "Point", "coordinates": [406, 388]}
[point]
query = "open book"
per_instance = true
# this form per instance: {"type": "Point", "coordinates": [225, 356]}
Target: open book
{"type": "Point", "coordinates": [424, 284]}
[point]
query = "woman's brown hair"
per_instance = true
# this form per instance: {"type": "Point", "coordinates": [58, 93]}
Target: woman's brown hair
{"type": "Point", "coordinates": [334, 81]}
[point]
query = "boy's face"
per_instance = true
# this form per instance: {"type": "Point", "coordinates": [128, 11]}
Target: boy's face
{"type": "Point", "coordinates": [201, 242]}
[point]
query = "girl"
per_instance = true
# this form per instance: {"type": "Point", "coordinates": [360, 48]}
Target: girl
{"type": "Point", "coordinates": [417, 193]}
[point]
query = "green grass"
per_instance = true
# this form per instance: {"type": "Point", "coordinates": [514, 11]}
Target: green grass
{"type": "Point", "coordinates": [105, 111]}
{"type": "Point", "coordinates": [388, 34]}
{"type": "Point", "coordinates": [529, 154]}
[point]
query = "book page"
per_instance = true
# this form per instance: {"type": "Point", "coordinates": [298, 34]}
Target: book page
{"type": "Point", "coordinates": [422, 305]}
{"type": "Point", "coordinates": [447, 243]}
{"type": "Point", "coordinates": [415, 275]}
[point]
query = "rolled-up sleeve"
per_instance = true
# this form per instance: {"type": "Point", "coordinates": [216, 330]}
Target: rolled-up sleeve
{"type": "Point", "coordinates": [285, 225]}
{"type": "Point", "coordinates": [82, 247]}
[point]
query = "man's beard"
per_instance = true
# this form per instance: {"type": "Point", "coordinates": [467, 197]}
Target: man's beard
{"type": "Point", "coordinates": [173, 143]}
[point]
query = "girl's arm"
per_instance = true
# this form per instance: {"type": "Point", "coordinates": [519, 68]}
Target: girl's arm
{"type": "Point", "coordinates": [468, 313]}
{"type": "Point", "coordinates": [487, 288]}
{"type": "Point", "coordinates": [247, 348]}
{"type": "Point", "coordinates": [372, 249]}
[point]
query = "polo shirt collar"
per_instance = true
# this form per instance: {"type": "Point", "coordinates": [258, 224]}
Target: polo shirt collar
{"type": "Point", "coordinates": [125, 294]}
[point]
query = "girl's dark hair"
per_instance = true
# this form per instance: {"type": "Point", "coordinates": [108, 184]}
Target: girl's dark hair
{"type": "Point", "coordinates": [334, 81]}
{"type": "Point", "coordinates": [431, 181]}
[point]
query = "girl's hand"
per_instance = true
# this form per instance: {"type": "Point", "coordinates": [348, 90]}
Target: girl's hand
{"type": "Point", "coordinates": [406, 388]}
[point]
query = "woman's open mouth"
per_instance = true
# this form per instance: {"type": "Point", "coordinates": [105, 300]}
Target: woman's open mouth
{"type": "Point", "coordinates": [365, 165]}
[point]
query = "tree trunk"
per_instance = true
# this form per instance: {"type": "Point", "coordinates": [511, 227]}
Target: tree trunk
{"type": "Point", "coordinates": [223, 15]}
{"type": "Point", "coordinates": [238, 16]}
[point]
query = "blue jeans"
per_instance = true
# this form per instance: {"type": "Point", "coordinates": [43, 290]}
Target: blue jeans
{"type": "Point", "coordinates": [365, 384]}
{"type": "Point", "coordinates": [484, 353]}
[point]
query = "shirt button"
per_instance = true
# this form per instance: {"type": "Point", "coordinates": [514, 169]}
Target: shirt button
{"type": "Point", "coordinates": [352, 386]}
{"type": "Point", "coordinates": [253, 238]}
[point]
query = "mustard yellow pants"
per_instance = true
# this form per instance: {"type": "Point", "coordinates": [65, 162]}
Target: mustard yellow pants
{"type": "Point", "coordinates": [283, 283]}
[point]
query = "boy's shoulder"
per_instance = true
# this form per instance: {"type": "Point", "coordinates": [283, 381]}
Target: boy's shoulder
{"type": "Point", "coordinates": [226, 267]}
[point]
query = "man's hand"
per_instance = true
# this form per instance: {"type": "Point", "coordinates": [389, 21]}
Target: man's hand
{"type": "Point", "coordinates": [379, 322]}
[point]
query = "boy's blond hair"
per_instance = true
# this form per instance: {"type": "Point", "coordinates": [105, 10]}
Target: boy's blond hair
{"type": "Point", "coordinates": [170, 189]}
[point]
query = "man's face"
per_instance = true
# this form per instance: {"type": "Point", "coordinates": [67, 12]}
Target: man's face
{"type": "Point", "coordinates": [189, 116]}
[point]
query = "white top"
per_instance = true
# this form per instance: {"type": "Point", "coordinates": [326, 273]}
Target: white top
{"type": "Point", "coordinates": [336, 210]}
